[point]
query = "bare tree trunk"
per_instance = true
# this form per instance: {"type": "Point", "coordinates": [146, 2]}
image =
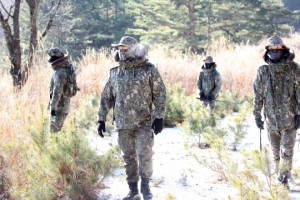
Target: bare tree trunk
{"type": "Point", "coordinates": [208, 29]}
{"type": "Point", "coordinates": [18, 72]}
{"type": "Point", "coordinates": [33, 7]}
{"type": "Point", "coordinates": [12, 39]}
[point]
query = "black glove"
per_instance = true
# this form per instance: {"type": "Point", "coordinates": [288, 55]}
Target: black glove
{"type": "Point", "coordinates": [157, 125]}
{"type": "Point", "coordinates": [101, 127]}
{"type": "Point", "coordinates": [211, 97]}
{"type": "Point", "coordinates": [259, 123]}
{"type": "Point", "coordinates": [202, 96]}
{"type": "Point", "coordinates": [297, 121]}
{"type": "Point", "coordinates": [53, 113]}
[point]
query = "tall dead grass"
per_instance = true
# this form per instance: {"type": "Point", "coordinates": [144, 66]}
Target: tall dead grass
{"type": "Point", "coordinates": [236, 64]}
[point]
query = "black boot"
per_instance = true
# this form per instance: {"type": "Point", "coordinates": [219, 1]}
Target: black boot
{"type": "Point", "coordinates": [133, 193]}
{"type": "Point", "coordinates": [145, 190]}
{"type": "Point", "coordinates": [284, 181]}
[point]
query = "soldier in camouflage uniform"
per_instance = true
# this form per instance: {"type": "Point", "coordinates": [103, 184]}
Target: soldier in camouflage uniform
{"type": "Point", "coordinates": [277, 92]}
{"type": "Point", "coordinates": [59, 103]}
{"type": "Point", "coordinates": [209, 83]}
{"type": "Point", "coordinates": [131, 90]}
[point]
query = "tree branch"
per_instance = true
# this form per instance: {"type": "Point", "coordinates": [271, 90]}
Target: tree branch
{"type": "Point", "coordinates": [8, 13]}
{"type": "Point", "coordinates": [7, 29]}
{"type": "Point", "coordinates": [50, 22]}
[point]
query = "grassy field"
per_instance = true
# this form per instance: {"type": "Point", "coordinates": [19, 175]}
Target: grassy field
{"type": "Point", "coordinates": [236, 64]}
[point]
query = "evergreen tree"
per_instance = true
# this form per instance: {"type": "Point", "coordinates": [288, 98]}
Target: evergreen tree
{"type": "Point", "coordinates": [91, 24]}
{"type": "Point", "coordinates": [263, 18]}
{"type": "Point", "coordinates": [193, 23]}
{"type": "Point", "coordinates": [170, 22]}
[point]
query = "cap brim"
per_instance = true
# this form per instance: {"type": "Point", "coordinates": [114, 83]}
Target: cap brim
{"type": "Point", "coordinates": [284, 47]}
{"type": "Point", "coordinates": [116, 45]}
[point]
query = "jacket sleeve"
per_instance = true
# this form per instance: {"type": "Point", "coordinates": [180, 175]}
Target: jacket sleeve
{"type": "Point", "coordinates": [199, 82]}
{"type": "Point", "coordinates": [297, 88]}
{"type": "Point", "coordinates": [59, 81]}
{"type": "Point", "coordinates": [158, 93]}
{"type": "Point", "coordinates": [258, 94]}
{"type": "Point", "coordinates": [106, 101]}
{"type": "Point", "coordinates": [218, 85]}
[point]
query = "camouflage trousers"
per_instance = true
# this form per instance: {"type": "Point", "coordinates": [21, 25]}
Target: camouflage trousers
{"type": "Point", "coordinates": [211, 104]}
{"type": "Point", "coordinates": [136, 147]}
{"type": "Point", "coordinates": [55, 126]}
{"type": "Point", "coordinates": [282, 145]}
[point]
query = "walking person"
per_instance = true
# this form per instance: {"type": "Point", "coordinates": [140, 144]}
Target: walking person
{"type": "Point", "coordinates": [131, 90]}
{"type": "Point", "coordinates": [277, 93]}
{"type": "Point", "coordinates": [209, 83]}
{"type": "Point", "coordinates": [59, 104]}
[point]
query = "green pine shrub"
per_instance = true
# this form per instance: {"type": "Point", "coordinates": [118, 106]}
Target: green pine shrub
{"type": "Point", "coordinates": [196, 119]}
{"type": "Point", "coordinates": [228, 102]}
{"type": "Point", "coordinates": [62, 165]}
{"type": "Point", "coordinates": [170, 196]}
{"type": "Point", "coordinates": [214, 133]}
{"type": "Point", "coordinates": [256, 178]}
{"type": "Point", "coordinates": [87, 112]}
{"type": "Point", "coordinates": [238, 125]}
{"type": "Point", "coordinates": [253, 175]}
{"type": "Point", "coordinates": [217, 159]}
{"type": "Point", "coordinates": [86, 115]}
{"type": "Point", "coordinates": [174, 105]}
{"type": "Point", "coordinates": [199, 122]}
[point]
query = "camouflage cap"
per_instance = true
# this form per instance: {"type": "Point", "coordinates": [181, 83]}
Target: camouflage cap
{"type": "Point", "coordinates": [54, 52]}
{"type": "Point", "coordinates": [126, 41]}
{"type": "Point", "coordinates": [208, 59]}
{"type": "Point", "coordinates": [275, 41]}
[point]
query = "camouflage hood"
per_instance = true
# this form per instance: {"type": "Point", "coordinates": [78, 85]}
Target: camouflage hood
{"type": "Point", "coordinates": [288, 56]}
{"type": "Point", "coordinates": [61, 62]}
{"type": "Point", "coordinates": [139, 53]}
{"type": "Point", "coordinates": [213, 67]}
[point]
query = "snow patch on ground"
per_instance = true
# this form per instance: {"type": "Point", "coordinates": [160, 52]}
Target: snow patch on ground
{"type": "Point", "coordinates": [174, 165]}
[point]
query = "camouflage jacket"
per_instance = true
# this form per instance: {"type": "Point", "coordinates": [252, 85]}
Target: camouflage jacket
{"type": "Point", "coordinates": [209, 81]}
{"type": "Point", "coordinates": [59, 102]}
{"type": "Point", "coordinates": [131, 91]}
{"type": "Point", "coordinates": [277, 91]}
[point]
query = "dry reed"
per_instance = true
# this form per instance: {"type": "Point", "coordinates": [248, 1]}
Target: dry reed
{"type": "Point", "coordinates": [236, 64]}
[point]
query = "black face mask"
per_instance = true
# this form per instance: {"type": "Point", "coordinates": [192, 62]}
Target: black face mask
{"type": "Point", "coordinates": [208, 65]}
{"type": "Point", "coordinates": [275, 55]}
{"type": "Point", "coordinates": [54, 58]}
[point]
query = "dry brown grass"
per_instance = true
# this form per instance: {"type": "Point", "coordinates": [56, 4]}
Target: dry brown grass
{"type": "Point", "coordinates": [236, 64]}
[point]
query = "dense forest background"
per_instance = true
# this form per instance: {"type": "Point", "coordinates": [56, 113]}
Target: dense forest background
{"type": "Point", "coordinates": [187, 25]}
{"type": "Point", "coordinates": [293, 5]}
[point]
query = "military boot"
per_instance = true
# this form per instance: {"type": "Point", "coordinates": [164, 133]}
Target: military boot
{"type": "Point", "coordinates": [284, 181]}
{"type": "Point", "coordinates": [133, 193]}
{"type": "Point", "coordinates": [145, 190]}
